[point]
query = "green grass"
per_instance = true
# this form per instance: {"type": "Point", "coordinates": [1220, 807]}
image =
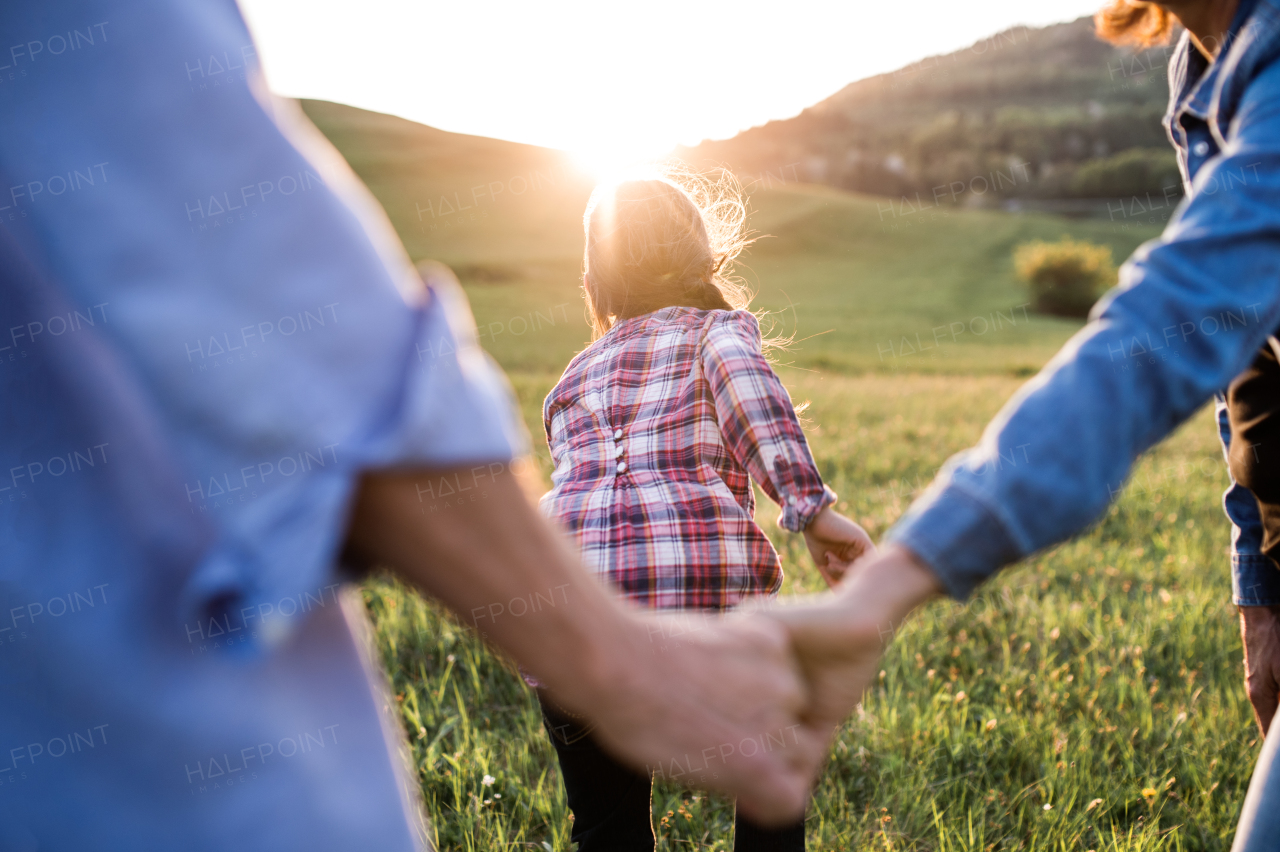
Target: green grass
{"type": "Point", "coordinates": [1109, 665]}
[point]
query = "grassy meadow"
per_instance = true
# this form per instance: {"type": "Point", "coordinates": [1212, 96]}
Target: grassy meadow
{"type": "Point", "coordinates": [1088, 699]}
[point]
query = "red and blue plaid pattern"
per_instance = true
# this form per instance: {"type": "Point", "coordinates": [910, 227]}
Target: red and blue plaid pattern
{"type": "Point", "coordinates": [656, 431]}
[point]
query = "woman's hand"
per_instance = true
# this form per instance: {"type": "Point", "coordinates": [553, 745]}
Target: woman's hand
{"type": "Point", "coordinates": [836, 543]}
{"type": "Point", "coordinates": [839, 637]}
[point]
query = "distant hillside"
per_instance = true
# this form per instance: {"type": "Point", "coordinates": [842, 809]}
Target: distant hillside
{"type": "Point", "coordinates": [448, 194]}
{"type": "Point", "coordinates": [1047, 113]}
{"type": "Point", "coordinates": [859, 292]}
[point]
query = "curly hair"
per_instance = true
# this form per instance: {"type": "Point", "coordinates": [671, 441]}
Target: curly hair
{"type": "Point", "coordinates": [1135, 22]}
{"type": "Point", "coordinates": [665, 238]}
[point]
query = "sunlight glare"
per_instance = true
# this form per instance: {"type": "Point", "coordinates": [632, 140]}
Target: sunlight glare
{"type": "Point", "coordinates": [613, 154]}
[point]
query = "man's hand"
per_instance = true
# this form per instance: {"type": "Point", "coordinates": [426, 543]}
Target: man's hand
{"type": "Point", "coordinates": [1260, 630]}
{"type": "Point", "coordinates": [713, 702]}
{"type": "Point", "coordinates": [840, 637]}
{"type": "Point", "coordinates": [835, 543]}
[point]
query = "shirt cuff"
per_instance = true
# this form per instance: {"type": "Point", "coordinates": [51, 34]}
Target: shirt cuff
{"type": "Point", "coordinates": [1255, 580]}
{"type": "Point", "coordinates": [958, 537]}
{"type": "Point", "coordinates": [798, 514]}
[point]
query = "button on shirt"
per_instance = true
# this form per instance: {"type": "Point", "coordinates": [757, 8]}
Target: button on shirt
{"type": "Point", "coordinates": [1188, 316]}
{"type": "Point", "coordinates": [663, 509]}
{"type": "Point", "coordinates": [209, 330]}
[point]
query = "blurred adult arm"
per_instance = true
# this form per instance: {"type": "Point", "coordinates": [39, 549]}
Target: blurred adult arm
{"type": "Point", "coordinates": [261, 303]}
{"type": "Point", "coordinates": [1191, 310]}
{"type": "Point", "coordinates": [498, 564]}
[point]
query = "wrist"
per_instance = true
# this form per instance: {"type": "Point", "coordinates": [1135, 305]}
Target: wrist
{"type": "Point", "coordinates": [816, 521]}
{"type": "Point", "coordinates": [826, 508]}
{"type": "Point", "coordinates": [893, 583]}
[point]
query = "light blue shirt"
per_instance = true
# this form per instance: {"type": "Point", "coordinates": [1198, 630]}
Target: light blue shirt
{"type": "Point", "coordinates": [1189, 314]}
{"type": "Point", "coordinates": [208, 330]}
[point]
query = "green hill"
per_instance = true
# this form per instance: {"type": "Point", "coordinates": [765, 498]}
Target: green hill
{"type": "Point", "coordinates": [1028, 113]}
{"type": "Point", "coordinates": [861, 283]}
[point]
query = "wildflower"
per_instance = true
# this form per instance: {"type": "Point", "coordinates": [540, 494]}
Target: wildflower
{"type": "Point", "coordinates": [1093, 804]}
{"type": "Point", "coordinates": [991, 724]}
{"type": "Point", "coordinates": [488, 780]}
{"type": "Point", "coordinates": [1048, 807]}
{"type": "Point", "coordinates": [1148, 793]}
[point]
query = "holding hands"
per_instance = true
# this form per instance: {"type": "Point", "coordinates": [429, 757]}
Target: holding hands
{"type": "Point", "coordinates": [838, 638]}
{"type": "Point", "coordinates": [836, 543]}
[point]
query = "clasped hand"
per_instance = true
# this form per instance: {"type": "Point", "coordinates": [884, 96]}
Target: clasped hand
{"type": "Point", "coordinates": [835, 641]}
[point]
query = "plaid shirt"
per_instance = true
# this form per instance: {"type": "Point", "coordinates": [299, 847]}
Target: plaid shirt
{"type": "Point", "coordinates": [656, 431]}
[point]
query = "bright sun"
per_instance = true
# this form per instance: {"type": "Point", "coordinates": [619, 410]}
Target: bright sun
{"type": "Point", "coordinates": [606, 166]}
{"type": "Point", "coordinates": [607, 155]}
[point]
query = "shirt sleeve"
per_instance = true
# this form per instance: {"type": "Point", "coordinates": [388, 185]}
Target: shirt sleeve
{"type": "Point", "coordinates": [758, 421]}
{"type": "Point", "coordinates": [1255, 581]}
{"type": "Point", "coordinates": [248, 282]}
{"type": "Point", "coordinates": [1191, 310]}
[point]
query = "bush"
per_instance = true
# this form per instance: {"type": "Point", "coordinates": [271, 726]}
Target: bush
{"type": "Point", "coordinates": [1065, 277]}
{"type": "Point", "coordinates": [1134, 172]}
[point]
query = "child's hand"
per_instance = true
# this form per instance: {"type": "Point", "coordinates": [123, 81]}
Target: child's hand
{"type": "Point", "coordinates": [836, 543]}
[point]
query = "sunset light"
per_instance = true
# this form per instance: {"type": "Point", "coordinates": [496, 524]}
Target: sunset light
{"type": "Point", "coordinates": [600, 80]}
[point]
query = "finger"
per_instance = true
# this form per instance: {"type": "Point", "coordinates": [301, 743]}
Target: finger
{"type": "Point", "coordinates": [833, 571]}
{"type": "Point", "coordinates": [779, 803]}
{"type": "Point", "coordinates": [803, 759]}
{"type": "Point", "coordinates": [831, 580]}
{"type": "Point", "coordinates": [796, 758]}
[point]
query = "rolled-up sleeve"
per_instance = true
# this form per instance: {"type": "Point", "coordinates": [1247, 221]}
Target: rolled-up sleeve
{"type": "Point", "coordinates": [1191, 310]}
{"type": "Point", "coordinates": [1255, 580]}
{"type": "Point", "coordinates": [758, 421]}
{"type": "Point", "coordinates": [246, 277]}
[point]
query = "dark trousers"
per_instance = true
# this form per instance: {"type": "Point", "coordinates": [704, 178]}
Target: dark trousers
{"type": "Point", "coordinates": [612, 810]}
{"type": "Point", "coordinates": [1253, 403]}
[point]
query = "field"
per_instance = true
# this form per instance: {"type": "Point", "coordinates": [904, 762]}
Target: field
{"type": "Point", "coordinates": [1088, 699]}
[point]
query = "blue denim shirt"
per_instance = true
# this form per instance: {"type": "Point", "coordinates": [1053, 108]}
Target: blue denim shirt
{"type": "Point", "coordinates": [1190, 311]}
{"type": "Point", "coordinates": [208, 331]}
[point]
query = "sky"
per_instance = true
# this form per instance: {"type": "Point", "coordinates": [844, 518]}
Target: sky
{"type": "Point", "coordinates": [611, 82]}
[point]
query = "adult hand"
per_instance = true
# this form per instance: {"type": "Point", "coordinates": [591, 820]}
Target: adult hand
{"type": "Point", "coordinates": [715, 702]}
{"type": "Point", "coordinates": [836, 543]}
{"type": "Point", "coordinates": [1260, 630]}
{"type": "Point", "coordinates": [688, 694]}
{"type": "Point", "coordinates": [840, 637]}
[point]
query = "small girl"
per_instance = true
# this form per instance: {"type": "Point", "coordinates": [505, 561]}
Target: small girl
{"type": "Point", "coordinates": [657, 430]}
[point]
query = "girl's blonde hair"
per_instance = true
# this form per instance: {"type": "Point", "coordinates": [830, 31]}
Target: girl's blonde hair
{"type": "Point", "coordinates": [661, 239]}
{"type": "Point", "coordinates": [1136, 22]}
